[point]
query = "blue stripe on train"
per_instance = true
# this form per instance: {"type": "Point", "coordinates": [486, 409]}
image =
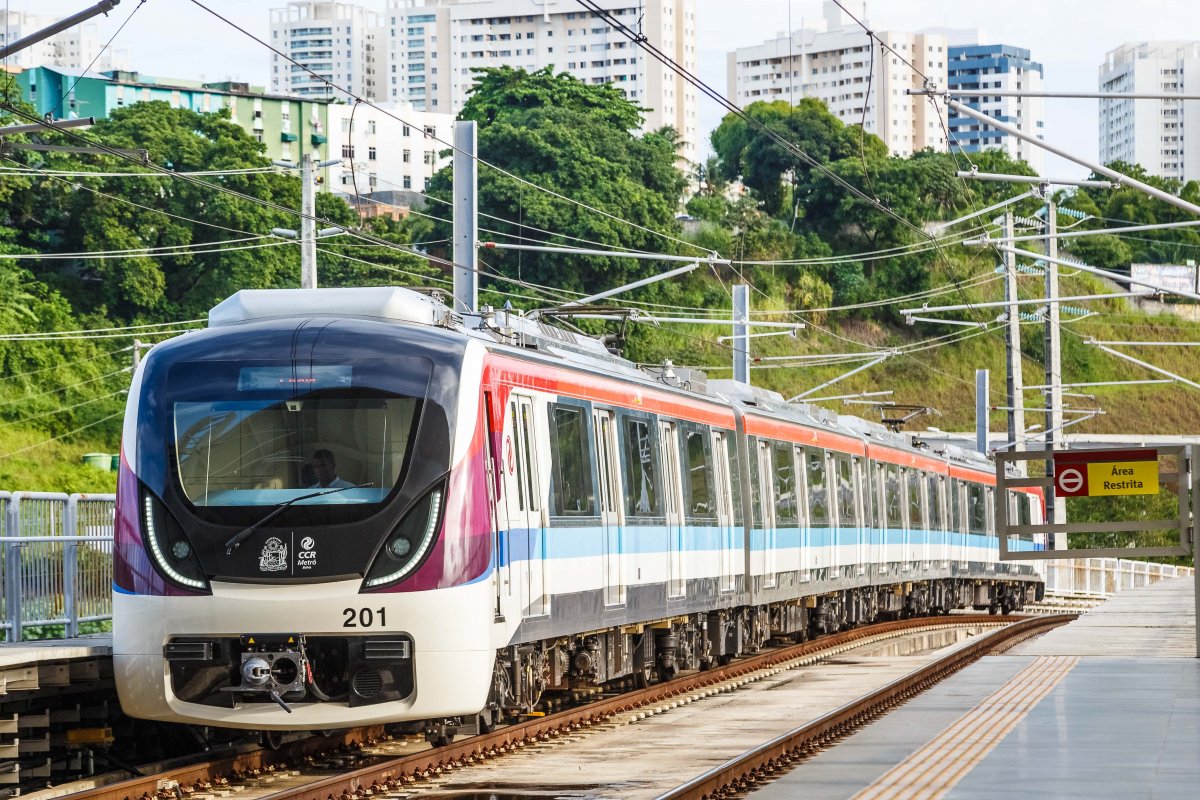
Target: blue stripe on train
{"type": "Point", "coordinates": [586, 542]}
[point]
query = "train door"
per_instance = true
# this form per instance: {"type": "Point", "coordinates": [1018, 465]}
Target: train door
{"type": "Point", "coordinates": [730, 549]}
{"type": "Point", "coordinates": [862, 504]}
{"type": "Point", "coordinates": [877, 517]}
{"type": "Point", "coordinates": [610, 506]}
{"type": "Point", "coordinates": [501, 579]}
{"type": "Point", "coordinates": [766, 498]}
{"type": "Point", "coordinates": [803, 568]}
{"type": "Point", "coordinates": [673, 507]}
{"type": "Point", "coordinates": [526, 534]}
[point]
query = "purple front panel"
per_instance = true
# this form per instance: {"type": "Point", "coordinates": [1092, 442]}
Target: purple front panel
{"type": "Point", "coordinates": [133, 572]}
{"type": "Point", "coordinates": [463, 551]}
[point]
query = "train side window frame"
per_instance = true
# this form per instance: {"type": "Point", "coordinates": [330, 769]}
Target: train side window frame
{"type": "Point", "coordinates": [783, 475]}
{"type": "Point", "coordinates": [893, 505]}
{"type": "Point", "coordinates": [735, 477]}
{"type": "Point", "coordinates": [847, 511]}
{"type": "Point", "coordinates": [649, 423]}
{"type": "Point", "coordinates": [691, 433]}
{"type": "Point", "coordinates": [819, 507]}
{"type": "Point", "coordinates": [914, 511]}
{"type": "Point", "coordinates": [934, 485]}
{"type": "Point", "coordinates": [584, 444]}
{"type": "Point", "coordinates": [976, 511]}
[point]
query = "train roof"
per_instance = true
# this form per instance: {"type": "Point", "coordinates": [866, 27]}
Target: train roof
{"type": "Point", "coordinates": [510, 330]}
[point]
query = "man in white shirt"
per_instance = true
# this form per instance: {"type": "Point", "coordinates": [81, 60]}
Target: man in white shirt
{"type": "Point", "coordinates": [325, 471]}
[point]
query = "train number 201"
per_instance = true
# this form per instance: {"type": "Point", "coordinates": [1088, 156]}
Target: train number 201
{"type": "Point", "coordinates": [364, 617]}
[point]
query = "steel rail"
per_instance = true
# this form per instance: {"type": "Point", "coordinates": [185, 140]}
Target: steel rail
{"type": "Point", "coordinates": [394, 773]}
{"type": "Point", "coordinates": [755, 766]}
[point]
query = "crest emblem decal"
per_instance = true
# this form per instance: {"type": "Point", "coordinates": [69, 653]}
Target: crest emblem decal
{"type": "Point", "coordinates": [274, 556]}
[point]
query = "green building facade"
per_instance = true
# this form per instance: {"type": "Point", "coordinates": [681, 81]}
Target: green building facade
{"type": "Point", "coordinates": [289, 127]}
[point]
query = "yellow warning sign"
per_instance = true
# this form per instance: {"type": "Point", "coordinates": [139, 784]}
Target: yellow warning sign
{"type": "Point", "coordinates": [1122, 477]}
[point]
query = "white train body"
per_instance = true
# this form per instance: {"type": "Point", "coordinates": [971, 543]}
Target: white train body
{"type": "Point", "coordinates": [518, 514]}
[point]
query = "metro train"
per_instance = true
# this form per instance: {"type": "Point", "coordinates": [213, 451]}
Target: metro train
{"type": "Point", "coordinates": [354, 506]}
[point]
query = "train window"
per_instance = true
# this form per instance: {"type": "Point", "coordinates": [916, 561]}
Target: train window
{"type": "Point", "coordinates": [989, 508]}
{"type": "Point", "coordinates": [735, 478]}
{"type": "Point", "coordinates": [783, 462]}
{"type": "Point", "coordinates": [699, 498]}
{"type": "Point", "coordinates": [976, 510]}
{"type": "Point", "coordinates": [641, 470]}
{"type": "Point", "coordinates": [814, 459]}
{"type": "Point", "coordinates": [571, 483]}
{"type": "Point", "coordinates": [1023, 515]}
{"type": "Point", "coordinates": [955, 506]}
{"type": "Point", "coordinates": [847, 515]}
{"type": "Point", "coordinates": [912, 481]}
{"type": "Point", "coordinates": [892, 500]}
{"type": "Point", "coordinates": [756, 469]}
{"type": "Point", "coordinates": [933, 488]}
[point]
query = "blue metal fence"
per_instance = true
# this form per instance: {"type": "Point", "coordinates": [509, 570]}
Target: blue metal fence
{"type": "Point", "coordinates": [56, 567]}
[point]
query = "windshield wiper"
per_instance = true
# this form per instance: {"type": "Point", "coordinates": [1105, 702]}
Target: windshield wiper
{"type": "Point", "coordinates": [244, 534]}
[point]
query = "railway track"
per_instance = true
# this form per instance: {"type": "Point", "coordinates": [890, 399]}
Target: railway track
{"type": "Point", "coordinates": [301, 771]}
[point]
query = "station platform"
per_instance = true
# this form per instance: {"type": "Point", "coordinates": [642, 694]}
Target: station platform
{"type": "Point", "coordinates": [25, 666]}
{"type": "Point", "coordinates": [1107, 706]}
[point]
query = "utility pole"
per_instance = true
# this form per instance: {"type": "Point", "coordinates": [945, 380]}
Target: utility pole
{"type": "Point", "coordinates": [982, 409]}
{"type": "Point", "coordinates": [741, 333]}
{"type": "Point", "coordinates": [1054, 413]}
{"type": "Point", "coordinates": [1015, 384]}
{"type": "Point", "coordinates": [466, 217]}
{"type": "Point", "coordinates": [308, 224]}
{"type": "Point", "coordinates": [137, 353]}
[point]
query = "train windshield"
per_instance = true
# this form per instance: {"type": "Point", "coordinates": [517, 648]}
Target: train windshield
{"type": "Point", "coordinates": [319, 434]}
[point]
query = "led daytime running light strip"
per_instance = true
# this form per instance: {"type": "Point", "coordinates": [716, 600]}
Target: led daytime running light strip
{"type": "Point", "coordinates": [435, 505]}
{"type": "Point", "coordinates": [158, 553]}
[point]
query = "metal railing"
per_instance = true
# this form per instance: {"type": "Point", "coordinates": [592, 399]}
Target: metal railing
{"type": "Point", "coordinates": [56, 567]}
{"type": "Point", "coordinates": [1102, 577]}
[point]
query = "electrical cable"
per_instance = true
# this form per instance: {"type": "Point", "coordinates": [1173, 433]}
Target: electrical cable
{"type": "Point", "coordinates": [450, 145]}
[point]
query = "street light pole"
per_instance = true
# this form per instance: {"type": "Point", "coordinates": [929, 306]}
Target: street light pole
{"type": "Point", "coordinates": [308, 224]}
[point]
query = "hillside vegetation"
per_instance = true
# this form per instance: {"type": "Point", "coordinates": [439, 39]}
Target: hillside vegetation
{"type": "Point", "coordinates": [89, 261]}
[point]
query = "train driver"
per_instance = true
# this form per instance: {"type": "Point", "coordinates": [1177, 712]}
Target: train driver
{"type": "Point", "coordinates": [324, 469]}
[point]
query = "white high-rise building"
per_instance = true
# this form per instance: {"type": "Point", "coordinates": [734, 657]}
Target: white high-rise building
{"type": "Point", "coordinates": [422, 52]}
{"type": "Point", "coordinates": [335, 40]}
{"type": "Point", "coordinates": [831, 59]}
{"type": "Point", "coordinates": [1152, 133]}
{"type": "Point", "coordinates": [74, 48]}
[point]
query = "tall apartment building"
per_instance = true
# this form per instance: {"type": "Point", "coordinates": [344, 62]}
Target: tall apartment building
{"type": "Point", "coordinates": [423, 51]}
{"type": "Point", "coordinates": [1152, 133]}
{"type": "Point", "coordinates": [74, 48]}
{"type": "Point", "coordinates": [831, 59]}
{"type": "Point", "coordinates": [1002, 67]}
{"type": "Point", "coordinates": [335, 40]}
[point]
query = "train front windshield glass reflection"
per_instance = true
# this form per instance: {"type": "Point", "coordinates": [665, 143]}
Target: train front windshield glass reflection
{"type": "Point", "coordinates": [265, 452]}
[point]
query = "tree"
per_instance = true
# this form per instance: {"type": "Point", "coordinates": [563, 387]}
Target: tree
{"type": "Point", "coordinates": [580, 142]}
{"type": "Point", "coordinates": [762, 163]}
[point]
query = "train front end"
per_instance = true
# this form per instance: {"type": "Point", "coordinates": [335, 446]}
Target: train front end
{"type": "Point", "coordinates": [302, 535]}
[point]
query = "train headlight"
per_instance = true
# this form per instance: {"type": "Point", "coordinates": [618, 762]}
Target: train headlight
{"type": "Point", "coordinates": [408, 544]}
{"type": "Point", "coordinates": [169, 547]}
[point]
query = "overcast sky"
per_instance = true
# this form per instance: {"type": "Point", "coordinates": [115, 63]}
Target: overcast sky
{"type": "Point", "coordinates": [175, 38]}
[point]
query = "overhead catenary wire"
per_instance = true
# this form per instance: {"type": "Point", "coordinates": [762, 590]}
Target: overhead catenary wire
{"type": "Point", "coordinates": [87, 382]}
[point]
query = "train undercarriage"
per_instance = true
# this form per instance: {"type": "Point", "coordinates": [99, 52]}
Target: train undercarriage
{"type": "Point", "coordinates": [540, 676]}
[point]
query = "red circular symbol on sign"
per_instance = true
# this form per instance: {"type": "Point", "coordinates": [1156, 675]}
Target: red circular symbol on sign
{"type": "Point", "coordinates": [1070, 480]}
{"type": "Point", "coordinates": [509, 458]}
